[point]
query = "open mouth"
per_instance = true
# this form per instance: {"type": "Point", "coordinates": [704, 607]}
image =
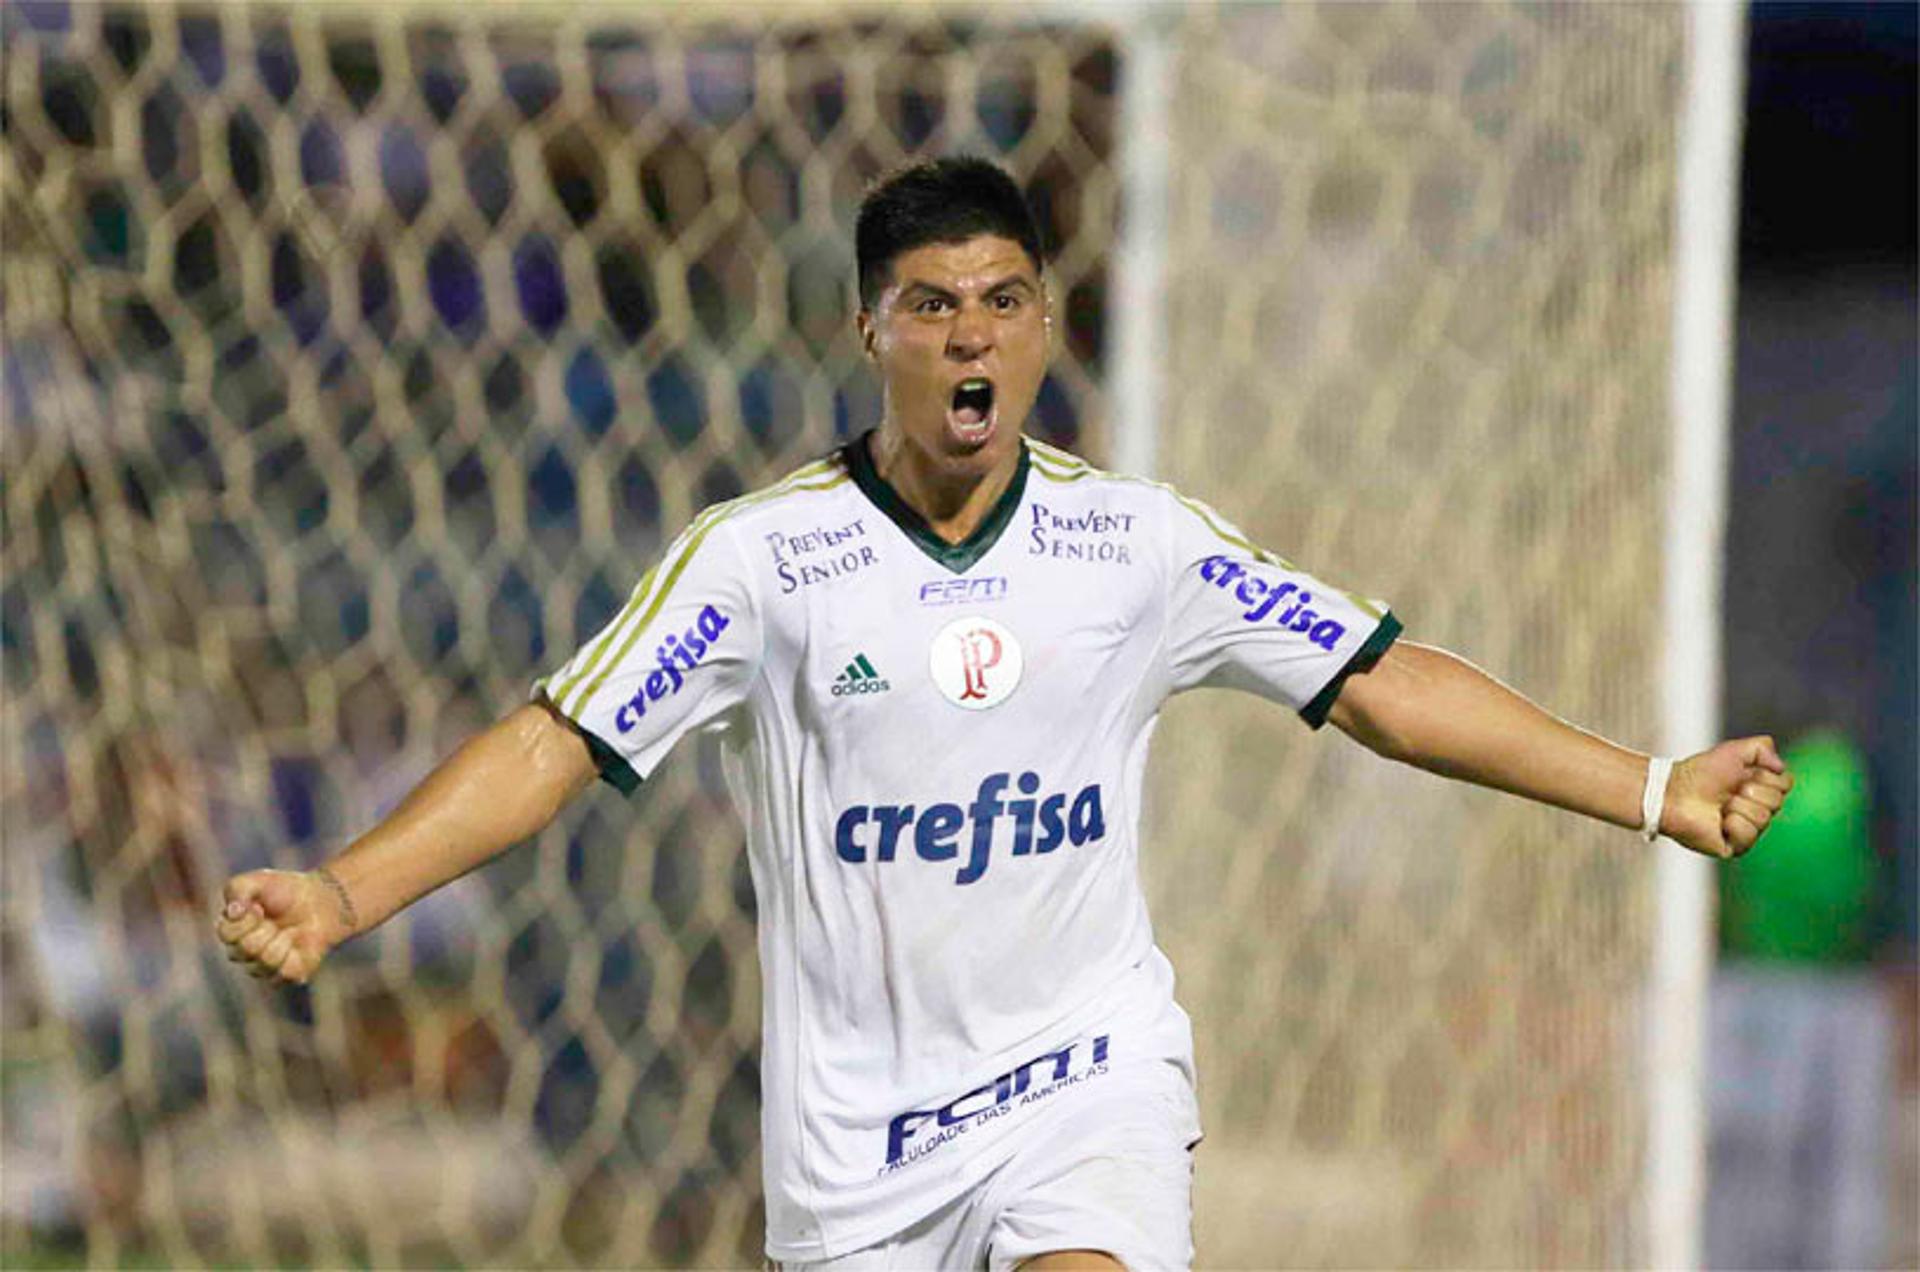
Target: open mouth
{"type": "Point", "coordinates": [972, 408]}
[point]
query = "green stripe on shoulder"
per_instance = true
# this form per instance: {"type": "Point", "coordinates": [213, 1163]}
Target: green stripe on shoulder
{"type": "Point", "coordinates": [1061, 466]}
{"type": "Point", "coordinates": [1058, 466]}
{"type": "Point", "coordinates": [590, 657]}
{"type": "Point", "coordinates": [1060, 476]}
{"type": "Point", "coordinates": [821, 475]}
{"type": "Point", "coordinates": [1221, 530]}
{"type": "Point", "coordinates": [1042, 453]}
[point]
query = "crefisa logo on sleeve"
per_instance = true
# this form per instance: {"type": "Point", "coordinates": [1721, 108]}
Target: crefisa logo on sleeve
{"type": "Point", "coordinates": [1286, 602]}
{"type": "Point", "coordinates": [685, 651]}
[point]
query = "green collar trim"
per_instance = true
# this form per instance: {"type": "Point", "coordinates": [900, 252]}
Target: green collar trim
{"type": "Point", "coordinates": [956, 557]}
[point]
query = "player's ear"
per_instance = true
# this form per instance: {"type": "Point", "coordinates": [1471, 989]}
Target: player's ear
{"type": "Point", "coordinates": [863, 323]}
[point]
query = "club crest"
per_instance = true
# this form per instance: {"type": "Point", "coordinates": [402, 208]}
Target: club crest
{"type": "Point", "coordinates": [976, 663]}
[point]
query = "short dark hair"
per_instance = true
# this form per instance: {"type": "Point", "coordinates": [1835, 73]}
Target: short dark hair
{"type": "Point", "coordinates": [937, 201]}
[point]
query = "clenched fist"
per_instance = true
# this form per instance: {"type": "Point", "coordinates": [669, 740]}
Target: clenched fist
{"type": "Point", "coordinates": [1720, 801]}
{"type": "Point", "coordinates": [280, 923]}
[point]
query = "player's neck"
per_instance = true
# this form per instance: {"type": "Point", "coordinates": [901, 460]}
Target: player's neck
{"type": "Point", "coordinates": [952, 500]}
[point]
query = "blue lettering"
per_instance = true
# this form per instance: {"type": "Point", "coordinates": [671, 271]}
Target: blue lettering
{"type": "Point", "coordinates": [791, 552]}
{"type": "Point", "coordinates": [1022, 1077]}
{"type": "Point", "coordinates": [955, 591]}
{"type": "Point", "coordinates": [989, 1099]}
{"type": "Point", "coordinates": [932, 836]}
{"type": "Point", "coordinates": [844, 846]}
{"type": "Point", "coordinates": [902, 1128]}
{"type": "Point", "coordinates": [1023, 815]}
{"type": "Point", "coordinates": [782, 545]}
{"type": "Point", "coordinates": [1275, 595]}
{"type": "Point", "coordinates": [1263, 598]}
{"type": "Point", "coordinates": [1090, 522]}
{"type": "Point", "coordinates": [952, 1113]}
{"type": "Point", "coordinates": [1051, 832]}
{"type": "Point", "coordinates": [891, 819]}
{"type": "Point", "coordinates": [686, 650]}
{"type": "Point", "coordinates": [1059, 818]}
{"type": "Point", "coordinates": [664, 656]}
{"type": "Point", "coordinates": [986, 806]}
{"type": "Point", "coordinates": [1085, 822]}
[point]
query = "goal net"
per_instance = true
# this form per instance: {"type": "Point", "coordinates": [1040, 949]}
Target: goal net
{"type": "Point", "coordinates": [358, 357]}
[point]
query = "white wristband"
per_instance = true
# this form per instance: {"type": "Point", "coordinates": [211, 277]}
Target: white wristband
{"type": "Point", "coordinates": [1654, 799]}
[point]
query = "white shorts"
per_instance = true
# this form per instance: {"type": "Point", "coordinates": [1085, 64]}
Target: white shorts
{"type": "Point", "coordinates": [1113, 1173]}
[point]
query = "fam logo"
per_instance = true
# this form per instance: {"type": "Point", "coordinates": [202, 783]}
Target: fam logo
{"type": "Point", "coordinates": [1264, 597]}
{"type": "Point", "coordinates": [976, 663]}
{"type": "Point", "coordinates": [1026, 1083]}
{"type": "Point", "coordinates": [815, 556]}
{"type": "Point", "coordinates": [962, 591]}
{"type": "Point", "coordinates": [875, 830]}
{"type": "Point", "coordinates": [687, 650]}
{"type": "Point", "coordinates": [1080, 536]}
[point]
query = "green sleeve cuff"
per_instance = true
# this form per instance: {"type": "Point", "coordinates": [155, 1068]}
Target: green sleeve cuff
{"type": "Point", "coordinates": [1315, 712]}
{"type": "Point", "coordinates": [613, 766]}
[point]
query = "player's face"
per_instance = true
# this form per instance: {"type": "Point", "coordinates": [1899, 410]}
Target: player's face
{"type": "Point", "coordinates": [960, 336]}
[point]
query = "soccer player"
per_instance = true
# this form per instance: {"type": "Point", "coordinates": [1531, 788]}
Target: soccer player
{"type": "Point", "coordinates": [935, 658]}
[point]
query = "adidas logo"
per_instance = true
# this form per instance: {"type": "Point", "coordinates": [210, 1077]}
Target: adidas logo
{"type": "Point", "coordinates": [859, 677]}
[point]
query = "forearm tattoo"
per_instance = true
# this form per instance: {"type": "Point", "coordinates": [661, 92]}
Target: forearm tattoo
{"type": "Point", "coordinates": [347, 912]}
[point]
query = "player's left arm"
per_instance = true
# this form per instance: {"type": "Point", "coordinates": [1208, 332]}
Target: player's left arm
{"type": "Point", "coordinates": [1426, 707]}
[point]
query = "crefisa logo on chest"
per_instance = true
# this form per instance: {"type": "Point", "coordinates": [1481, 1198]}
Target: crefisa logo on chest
{"type": "Point", "coordinates": [976, 663]}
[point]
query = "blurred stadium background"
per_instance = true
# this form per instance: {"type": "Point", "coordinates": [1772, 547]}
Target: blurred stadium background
{"type": "Point", "coordinates": [359, 356]}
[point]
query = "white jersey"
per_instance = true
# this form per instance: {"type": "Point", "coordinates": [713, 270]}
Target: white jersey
{"type": "Point", "coordinates": [938, 751]}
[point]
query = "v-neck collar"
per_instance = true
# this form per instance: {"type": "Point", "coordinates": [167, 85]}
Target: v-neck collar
{"type": "Point", "coordinates": [956, 557]}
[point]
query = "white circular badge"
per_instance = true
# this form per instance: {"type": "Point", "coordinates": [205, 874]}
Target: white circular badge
{"type": "Point", "coordinates": [976, 662]}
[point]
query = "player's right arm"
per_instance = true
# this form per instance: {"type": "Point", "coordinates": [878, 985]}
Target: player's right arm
{"type": "Point", "coordinates": [680, 655]}
{"type": "Point", "coordinates": [501, 787]}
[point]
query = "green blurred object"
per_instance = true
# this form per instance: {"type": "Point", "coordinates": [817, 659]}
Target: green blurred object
{"type": "Point", "coordinates": [1805, 893]}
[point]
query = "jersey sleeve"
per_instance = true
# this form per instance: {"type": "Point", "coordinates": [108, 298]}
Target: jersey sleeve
{"type": "Point", "coordinates": [679, 655]}
{"type": "Point", "coordinates": [1240, 617]}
